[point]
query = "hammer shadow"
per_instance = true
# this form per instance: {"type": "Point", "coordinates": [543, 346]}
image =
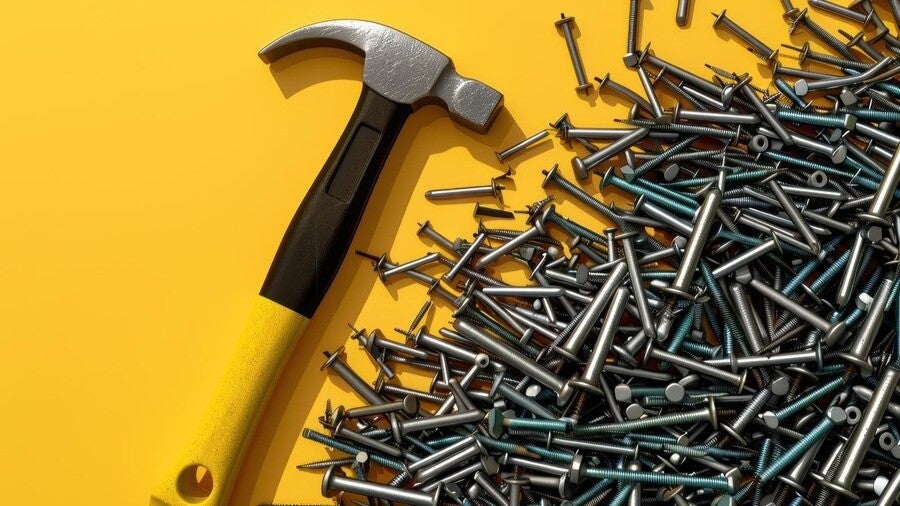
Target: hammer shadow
{"type": "Point", "coordinates": [427, 132]}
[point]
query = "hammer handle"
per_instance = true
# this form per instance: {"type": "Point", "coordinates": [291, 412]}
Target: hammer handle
{"type": "Point", "coordinates": [307, 260]}
{"type": "Point", "coordinates": [319, 235]}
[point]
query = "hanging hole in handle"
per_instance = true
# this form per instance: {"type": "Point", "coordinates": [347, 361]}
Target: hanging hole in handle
{"type": "Point", "coordinates": [195, 483]}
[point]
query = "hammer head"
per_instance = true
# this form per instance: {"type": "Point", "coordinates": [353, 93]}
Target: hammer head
{"type": "Point", "coordinates": [398, 67]}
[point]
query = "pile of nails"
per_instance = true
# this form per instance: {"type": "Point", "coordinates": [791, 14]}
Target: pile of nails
{"type": "Point", "coordinates": [731, 339]}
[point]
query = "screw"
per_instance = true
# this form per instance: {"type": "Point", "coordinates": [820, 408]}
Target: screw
{"type": "Point", "coordinates": [802, 19]}
{"type": "Point", "coordinates": [565, 24]}
{"type": "Point", "coordinates": [631, 57]}
{"type": "Point", "coordinates": [655, 478]}
{"type": "Point", "coordinates": [834, 416]}
{"type": "Point", "coordinates": [757, 46]}
{"type": "Point", "coordinates": [350, 449]}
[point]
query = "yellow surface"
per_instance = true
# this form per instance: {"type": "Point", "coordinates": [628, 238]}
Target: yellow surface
{"type": "Point", "coordinates": [150, 164]}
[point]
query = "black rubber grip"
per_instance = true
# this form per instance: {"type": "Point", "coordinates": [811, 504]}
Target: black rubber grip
{"type": "Point", "coordinates": [319, 235]}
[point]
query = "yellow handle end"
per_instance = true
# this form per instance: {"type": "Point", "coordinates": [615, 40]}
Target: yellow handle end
{"type": "Point", "coordinates": [205, 473]}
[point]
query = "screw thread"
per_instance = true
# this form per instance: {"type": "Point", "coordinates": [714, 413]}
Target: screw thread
{"type": "Point", "coordinates": [788, 91]}
{"type": "Point", "coordinates": [873, 114]}
{"type": "Point", "coordinates": [676, 340]}
{"type": "Point", "coordinates": [665, 155]}
{"type": "Point", "coordinates": [830, 272]}
{"type": "Point", "coordinates": [827, 37]}
{"type": "Point", "coordinates": [715, 483]}
{"type": "Point", "coordinates": [826, 120]}
{"type": "Point", "coordinates": [622, 494]}
{"type": "Point", "coordinates": [703, 350]}
{"type": "Point", "coordinates": [657, 199]}
{"type": "Point", "coordinates": [718, 297]}
{"type": "Point", "coordinates": [506, 446]}
{"type": "Point", "coordinates": [794, 452]}
{"type": "Point", "coordinates": [500, 331]}
{"type": "Point", "coordinates": [808, 399]}
{"type": "Point", "coordinates": [350, 449]}
{"type": "Point", "coordinates": [536, 424]}
{"type": "Point", "coordinates": [583, 197]}
{"type": "Point", "coordinates": [644, 423]}
{"type": "Point", "coordinates": [592, 493]}
{"type": "Point", "coordinates": [684, 129]}
{"type": "Point", "coordinates": [632, 26]}
{"type": "Point", "coordinates": [558, 455]}
{"type": "Point", "coordinates": [746, 415]}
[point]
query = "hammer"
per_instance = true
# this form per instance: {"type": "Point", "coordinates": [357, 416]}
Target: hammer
{"type": "Point", "coordinates": [400, 74]}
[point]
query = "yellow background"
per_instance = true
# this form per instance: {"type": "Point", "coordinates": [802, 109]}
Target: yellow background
{"type": "Point", "coordinates": [150, 163]}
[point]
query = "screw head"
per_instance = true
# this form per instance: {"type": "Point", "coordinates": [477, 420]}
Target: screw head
{"type": "Point", "coordinates": [562, 121]}
{"type": "Point", "coordinates": [327, 480]}
{"type": "Point", "coordinates": [494, 423]}
{"type": "Point", "coordinates": [331, 357]}
{"type": "Point", "coordinates": [580, 168]}
{"type": "Point", "coordinates": [549, 175]}
{"type": "Point", "coordinates": [719, 18]}
{"type": "Point", "coordinates": [631, 59]}
{"type": "Point", "coordinates": [410, 405]}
